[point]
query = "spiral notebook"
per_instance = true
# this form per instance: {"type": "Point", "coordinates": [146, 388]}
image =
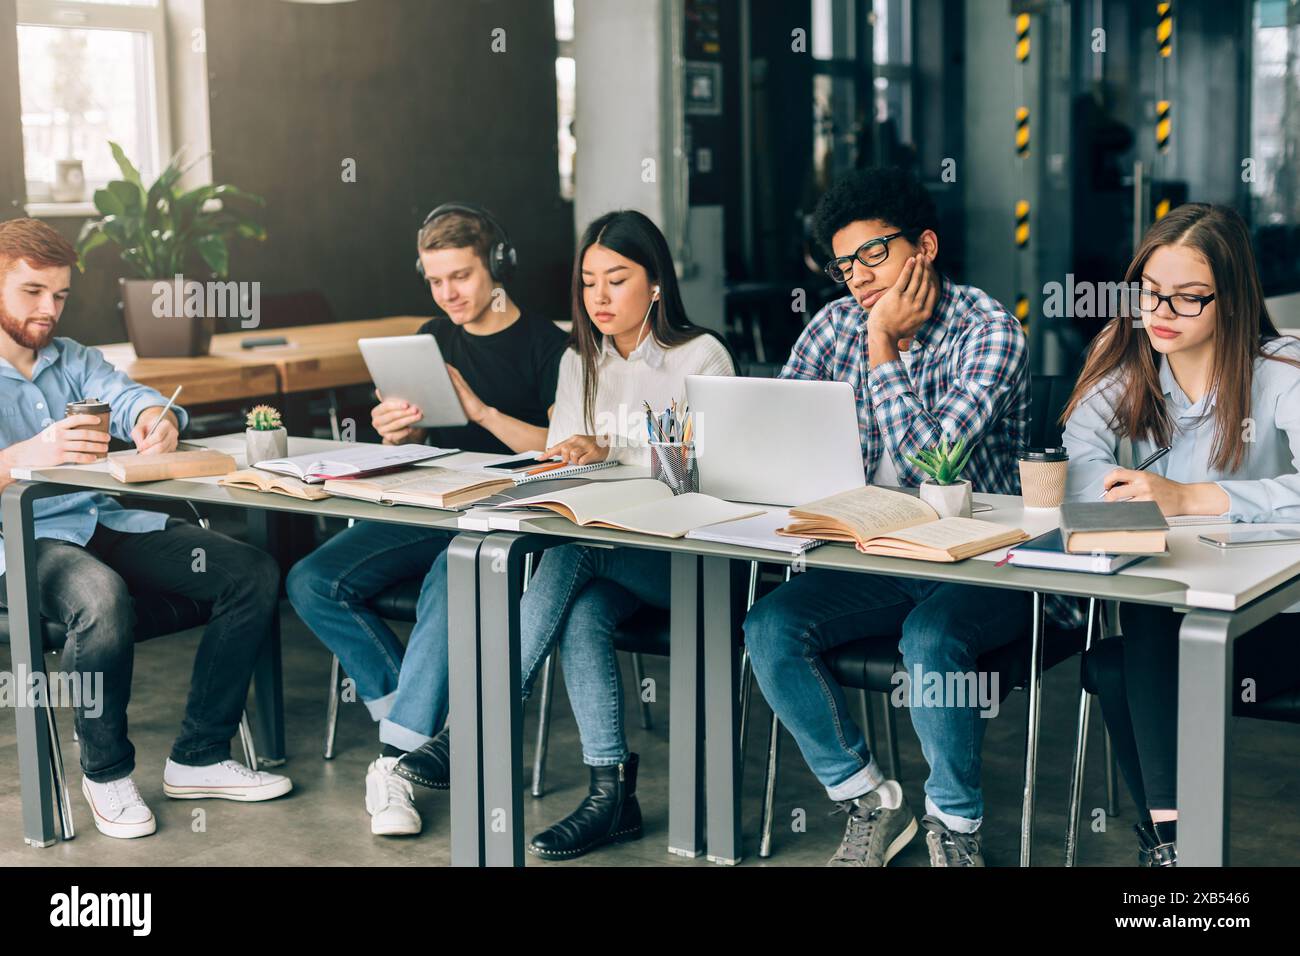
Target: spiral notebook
{"type": "Point", "coordinates": [566, 472]}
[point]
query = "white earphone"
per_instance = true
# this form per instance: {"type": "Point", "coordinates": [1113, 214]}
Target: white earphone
{"type": "Point", "coordinates": [654, 297]}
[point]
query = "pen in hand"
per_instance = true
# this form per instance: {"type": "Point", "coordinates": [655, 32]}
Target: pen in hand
{"type": "Point", "coordinates": [1145, 463]}
{"type": "Point", "coordinates": [166, 408]}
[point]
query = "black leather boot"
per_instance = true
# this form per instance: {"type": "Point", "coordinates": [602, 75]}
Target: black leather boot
{"type": "Point", "coordinates": [608, 814]}
{"type": "Point", "coordinates": [430, 765]}
{"type": "Point", "coordinates": [1156, 844]}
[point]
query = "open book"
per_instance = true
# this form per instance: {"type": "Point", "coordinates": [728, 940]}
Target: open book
{"type": "Point", "coordinates": [353, 461]}
{"type": "Point", "coordinates": [251, 479]}
{"type": "Point", "coordinates": [422, 487]}
{"type": "Point", "coordinates": [643, 505]}
{"type": "Point", "coordinates": [895, 525]}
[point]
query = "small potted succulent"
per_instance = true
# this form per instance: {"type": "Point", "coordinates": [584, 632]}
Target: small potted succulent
{"type": "Point", "coordinates": [265, 438]}
{"type": "Point", "coordinates": [944, 489]}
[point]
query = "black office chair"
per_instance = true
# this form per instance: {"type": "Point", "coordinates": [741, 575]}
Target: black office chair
{"type": "Point", "coordinates": [156, 615]}
{"type": "Point", "coordinates": [1103, 664]}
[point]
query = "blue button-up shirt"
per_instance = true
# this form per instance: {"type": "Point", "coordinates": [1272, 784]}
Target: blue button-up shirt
{"type": "Point", "coordinates": [1264, 488]}
{"type": "Point", "coordinates": [67, 372]}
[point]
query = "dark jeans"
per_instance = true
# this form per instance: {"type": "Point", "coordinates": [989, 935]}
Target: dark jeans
{"type": "Point", "coordinates": [1136, 677]}
{"type": "Point", "coordinates": [89, 590]}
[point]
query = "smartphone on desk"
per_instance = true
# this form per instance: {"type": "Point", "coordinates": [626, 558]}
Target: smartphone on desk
{"type": "Point", "coordinates": [522, 463]}
{"type": "Point", "coordinates": [1246, 538]}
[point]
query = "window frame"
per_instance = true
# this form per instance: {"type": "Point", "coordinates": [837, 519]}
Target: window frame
{"type": "Point", "coordinates": [151, 20]}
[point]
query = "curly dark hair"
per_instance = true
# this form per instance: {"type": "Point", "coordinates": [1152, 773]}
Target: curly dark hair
{"type": "Point", "coordinates": [887, 193]}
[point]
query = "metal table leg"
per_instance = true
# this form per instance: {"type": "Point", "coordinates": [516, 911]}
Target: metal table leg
{"type": "Point", "coordinates": [500, 582]}
{"type": "Point", "coordinates": [685, 707]}
{"type": "Point", "coordinates": [463, 700]}
{"type": "Point", "coordinates": [1204, 737]}
{"type": "Point", "coordinates": [721, 715]}
{"type": "Point", "coordinates": [268, 691]}
{"type": "Point", "coordinates": [26, 647]}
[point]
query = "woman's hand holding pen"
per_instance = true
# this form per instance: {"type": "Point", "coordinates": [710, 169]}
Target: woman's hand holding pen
{"type": "Point", "coordinates": [1173, 497]}
{"type": "Point", "coordinates": [579, 450]}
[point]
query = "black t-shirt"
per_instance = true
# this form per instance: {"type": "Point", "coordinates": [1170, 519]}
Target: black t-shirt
{"type": "Point", "coordinates": [514, 370]}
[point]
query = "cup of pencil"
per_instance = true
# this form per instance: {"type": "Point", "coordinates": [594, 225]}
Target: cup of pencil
{"type": "Point", "coordinates": [672, 452]}
{"type": "Point", "coordinates": [673, 463]}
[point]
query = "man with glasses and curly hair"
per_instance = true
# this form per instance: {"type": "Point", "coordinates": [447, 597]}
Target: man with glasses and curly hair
{"type": "Point", "coordinates": [928, 359]}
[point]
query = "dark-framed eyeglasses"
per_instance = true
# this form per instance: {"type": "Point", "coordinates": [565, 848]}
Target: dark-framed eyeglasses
{"type": "Point", "coordinates": [871, 253]}
{"type": "Point", "coordinates": [1181, 303]}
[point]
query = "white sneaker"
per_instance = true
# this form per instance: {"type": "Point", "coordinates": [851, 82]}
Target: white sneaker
{"type": "Point", "coordinates": [118, 809]}
{"type": "Point", "coordinates": [227, 780]}
{"type": "Point", "coordinates": [389, 801]}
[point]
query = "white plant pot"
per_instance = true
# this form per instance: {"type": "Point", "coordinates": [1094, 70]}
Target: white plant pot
{"type": "Point", "coordinates": [265, 445]}
{"type": "Point", "coordinates": [950, 501]}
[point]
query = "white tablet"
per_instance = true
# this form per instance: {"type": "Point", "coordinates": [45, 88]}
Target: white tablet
{"type": "Point", "coordinates": [410, 368]}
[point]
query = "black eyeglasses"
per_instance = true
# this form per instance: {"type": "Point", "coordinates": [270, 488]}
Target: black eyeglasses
{"type": "Point", "coordinates": [1182, 303]}
{"type": "Point", "coordinates": [870, 253]}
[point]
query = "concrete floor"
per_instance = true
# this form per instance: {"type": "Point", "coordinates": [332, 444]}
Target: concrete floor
{"type": "Point", "coordinates": [323, 822]}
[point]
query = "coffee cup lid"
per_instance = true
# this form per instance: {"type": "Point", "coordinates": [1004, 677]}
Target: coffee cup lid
{"type": "Point", "coordinates": [1044, 454]}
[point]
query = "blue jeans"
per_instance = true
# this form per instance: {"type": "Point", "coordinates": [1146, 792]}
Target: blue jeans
{"type": "Point", "coordinates": [944, 629]}
{"type": "Point", "coordinates": [578, 597]}
{"type": "Point", "coordinates": [405, 690]}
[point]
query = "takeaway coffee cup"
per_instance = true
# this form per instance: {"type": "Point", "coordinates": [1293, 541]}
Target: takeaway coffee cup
{"type": "Point", "coordinates": [92, 406]}
{"type": "Point", "coordinates": [1042, 476]}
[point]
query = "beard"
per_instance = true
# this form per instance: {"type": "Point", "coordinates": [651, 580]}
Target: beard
{"type": "Point", "coordinates": [17, 330]}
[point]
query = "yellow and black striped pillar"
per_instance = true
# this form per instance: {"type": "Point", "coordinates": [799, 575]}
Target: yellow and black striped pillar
{"type": "Point", "coordinates": [1165, 27]}
{"type": "Point", "coordinates": [1164, 125]}
{"type": "Point", "coordinates": [1022, 309]}
{"type": "Point", "coordinates": [1020, 265]}
{"type": "Point", "coordinates": [1022, 243]}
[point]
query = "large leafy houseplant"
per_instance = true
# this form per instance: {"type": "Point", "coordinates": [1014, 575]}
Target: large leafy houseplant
{"type": "Point", "coordinates": [161, 232]}
{"type": "Point", "coordinates": [158, 228]}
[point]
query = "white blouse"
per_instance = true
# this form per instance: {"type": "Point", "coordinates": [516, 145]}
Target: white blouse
{"type": "Point", "coordinates": [650, 374]}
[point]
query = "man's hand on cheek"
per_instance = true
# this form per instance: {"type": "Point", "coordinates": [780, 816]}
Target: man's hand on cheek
{"type": "Point", "coordinates": [910, 301]}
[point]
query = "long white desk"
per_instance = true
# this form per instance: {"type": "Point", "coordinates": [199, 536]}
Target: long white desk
{"type": "Point", "coordinates": [1223, 596]}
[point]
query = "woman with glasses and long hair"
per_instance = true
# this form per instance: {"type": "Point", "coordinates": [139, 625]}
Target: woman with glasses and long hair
{"type": "Point", "coordinates": [1197, 366]}
{"type": "Point", "coordinates": [631, 343]}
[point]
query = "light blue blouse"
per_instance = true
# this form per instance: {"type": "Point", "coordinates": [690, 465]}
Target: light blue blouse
{"type": "Point", "coordinates": [1265, 487]}
{"type": "Point", "coordinates": [67, 371]}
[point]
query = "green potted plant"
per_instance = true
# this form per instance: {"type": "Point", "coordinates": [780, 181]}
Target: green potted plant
{"type": "Point", "coordinates": [160, 232]}
{"type": "Point", "coordinates": [944, 489]}
{"type": "Point", "coordinates": [265, 437]}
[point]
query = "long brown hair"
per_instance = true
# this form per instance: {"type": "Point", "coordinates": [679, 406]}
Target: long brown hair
{"type": "Point", "coordinates": [633, 235]}
{"type": "Point", "coordinates": [1242, 329]}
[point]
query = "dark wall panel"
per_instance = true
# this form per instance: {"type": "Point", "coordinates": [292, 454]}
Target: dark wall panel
{"type": "Point", "coordinates": [413, 92]}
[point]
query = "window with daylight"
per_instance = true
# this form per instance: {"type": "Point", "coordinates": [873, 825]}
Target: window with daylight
{"type": "Point", "coordinates": [90, 71]}
{"type": "Point", "coordinates": [565, 92]}
{"type": "Point", "coordinates": [860, 46]}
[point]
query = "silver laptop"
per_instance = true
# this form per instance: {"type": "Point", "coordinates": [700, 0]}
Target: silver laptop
{"type": "Point", "coordinates": [774, 441]}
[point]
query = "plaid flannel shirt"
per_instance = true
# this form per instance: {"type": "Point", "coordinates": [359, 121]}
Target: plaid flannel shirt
{"type": "Point", "coordinates": [968, 379]}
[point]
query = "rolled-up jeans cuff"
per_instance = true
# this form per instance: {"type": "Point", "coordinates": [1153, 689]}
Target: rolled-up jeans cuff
{"type": "Point", "coordinates": [401, 737]}
{"type": "Point", "coordinates": [380, 706]}
{"type": "Point", "coordinates": [953, 823]}
{"type": "Point", "coordinates": [864, 781]}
